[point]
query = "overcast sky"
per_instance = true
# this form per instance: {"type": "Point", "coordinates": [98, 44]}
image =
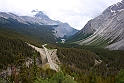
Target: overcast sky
{"type": "Point", "coordinates": [74, 12]}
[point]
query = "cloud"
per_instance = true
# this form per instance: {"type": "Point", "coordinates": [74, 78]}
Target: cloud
{"type": "Point", "coordinates": [75, 12]}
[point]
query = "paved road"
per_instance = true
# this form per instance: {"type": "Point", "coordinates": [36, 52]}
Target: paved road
{"type": "Point", "coordinates": [46, 55]}
{"type": "Point", "coordinates": [39, 50]}
{"type": "Point", "coordinates": [52, 65]}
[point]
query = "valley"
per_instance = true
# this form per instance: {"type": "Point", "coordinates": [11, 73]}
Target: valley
{"type": "Point", "coordinates": [37, 49]}
{"type": "Point", "coordinates": [71, 59]}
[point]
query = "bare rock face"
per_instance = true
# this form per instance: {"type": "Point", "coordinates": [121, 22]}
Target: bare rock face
{"type": "Point", "coordinates": [64, 30]}
{"type": "Point", "coordinates": [107, 28]}
{"type": "Point", "coordinates": [87, 28]}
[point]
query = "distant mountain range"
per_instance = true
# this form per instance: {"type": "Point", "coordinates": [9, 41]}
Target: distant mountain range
{"type": "Point", "coordinates": [40, 23]}
{"type": "Point", "coordinates": [106, 30]}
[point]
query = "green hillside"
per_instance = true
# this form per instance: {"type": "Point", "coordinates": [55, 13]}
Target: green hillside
{"type": "Point", "coordinates": [11, 50]}
{"type": "Point", "coordinates": [78, 36]}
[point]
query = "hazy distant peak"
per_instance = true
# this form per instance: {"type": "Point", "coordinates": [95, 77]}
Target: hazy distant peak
{"type": "Point", "coordinates": [39, 14]}
{"type": "Point", "coordinates": [36, 10]}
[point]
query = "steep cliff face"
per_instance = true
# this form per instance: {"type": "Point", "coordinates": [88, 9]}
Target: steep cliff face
{"type": "Point", "coordinates": [64, 30]}
{"type": "Point", "coordinates": [107, 28]}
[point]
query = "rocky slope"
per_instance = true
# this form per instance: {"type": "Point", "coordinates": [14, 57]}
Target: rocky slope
{"type": "Point", "coordinates": [107, 29]}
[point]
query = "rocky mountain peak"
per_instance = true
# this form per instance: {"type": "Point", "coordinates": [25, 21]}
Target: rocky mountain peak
{"type": "Point", "coordinates": [115, 7]}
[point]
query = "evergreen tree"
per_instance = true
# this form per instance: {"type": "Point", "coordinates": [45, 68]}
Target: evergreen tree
{"type": "Point", "coordinates": [120, 77]}
{"type": "Point", "coordinates": [34, 66]}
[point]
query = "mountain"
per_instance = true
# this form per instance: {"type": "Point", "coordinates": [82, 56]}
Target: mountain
{"type": "Point", "coordinates": [38, 21]}
{"type": "Point", "coordinates": [33, 31]}
{"type": "Point", "coordinates": [106, 30]}
{"type": "Point", "coordinates": [63, 29]}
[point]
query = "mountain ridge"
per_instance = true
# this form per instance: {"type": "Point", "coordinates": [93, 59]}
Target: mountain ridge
{"type": "Point", "coordinates": [106, 29]}
{"type": "Point", "coordinates": [41, 19]}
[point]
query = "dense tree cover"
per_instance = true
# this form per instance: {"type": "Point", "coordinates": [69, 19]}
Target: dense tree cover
{"type": "Point", "coordinates": [112, 59]}
{"type": "Point", "coordinates": [80, 63]}
{"type": "Point", "coordinates": [78, 36]}
{"type": "Point", "coordinates": [120, 77]}
{"type": "Point", "coordinates": [14, 53]}
{"type": "Point", "coordinates": [88, 77]}
{"type": "Point", "coordinates": [41, 33]}
{"type": "Point", "coordinates": [29, 75]}
{"type": "Point", "coordinates": [58, 77]}
{"type": "Point", "coordinates": [6, 33]}
{"type": "Point", "coordinates": [11, 50]}
{"type": "Point", "coordinates": [76, 62]}
{"type": "Point", "coordinates": [79, 58]}
{"type": "Point", "coordinates": [32, 73]}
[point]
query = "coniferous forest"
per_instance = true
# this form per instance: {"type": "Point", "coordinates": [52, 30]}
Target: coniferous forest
{"type": "Point", "coordinates": [51, 41]}
{"type": "Point", "coordinates": [78, 64]}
